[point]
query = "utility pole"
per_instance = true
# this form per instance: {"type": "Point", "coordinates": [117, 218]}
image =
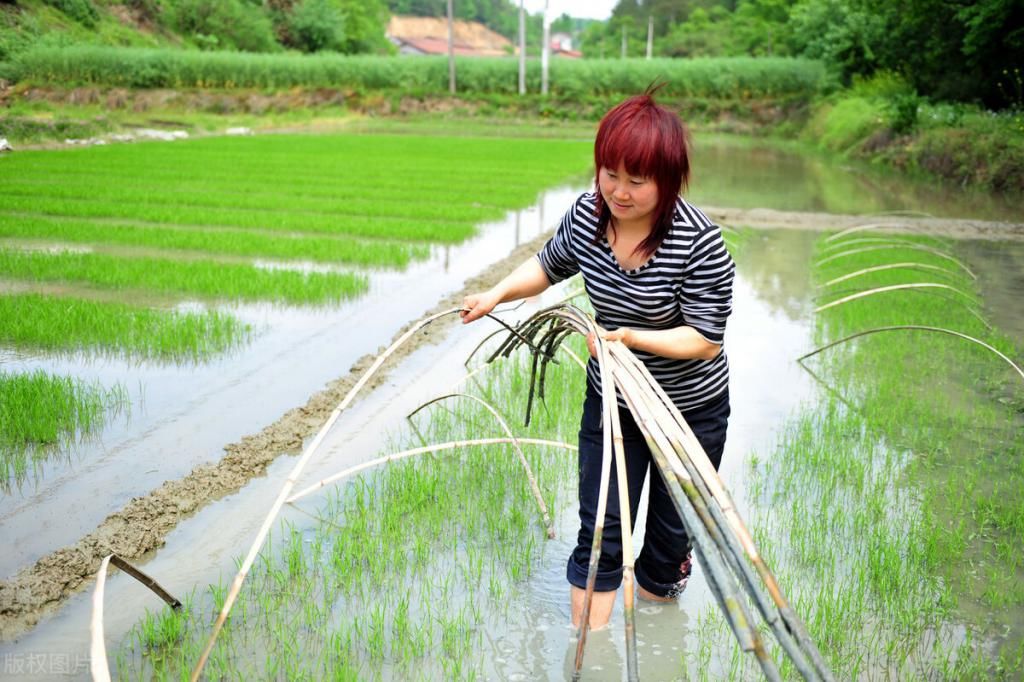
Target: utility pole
{"type": "Point", "coordinates": [623, 41]}
{"type": "Point", "coordinates": [545, 52]}
{"type": "Point", "coordinates": [650, 35]}
{"type": "Point", "coordinates": [522, 49]}
{"type": "Point", "coordinates": [451, 48]}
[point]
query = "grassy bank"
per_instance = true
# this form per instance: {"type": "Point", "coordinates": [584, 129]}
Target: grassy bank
{"type": "Point", "coordinates": [885, 122]}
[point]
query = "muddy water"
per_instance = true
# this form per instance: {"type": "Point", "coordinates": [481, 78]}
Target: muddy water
{"type": "Point", "coordinates": [183, 416]}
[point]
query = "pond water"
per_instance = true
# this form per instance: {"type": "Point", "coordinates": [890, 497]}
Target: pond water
{"type": "Point", "coordinates": [183, 416]}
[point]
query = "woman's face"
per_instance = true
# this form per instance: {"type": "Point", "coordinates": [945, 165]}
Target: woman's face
{"type": "Point", "coordinates": [630, 198]}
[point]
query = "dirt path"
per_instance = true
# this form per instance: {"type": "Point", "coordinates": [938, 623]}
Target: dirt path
{"type": "Point", "coordinates": [142, 525]}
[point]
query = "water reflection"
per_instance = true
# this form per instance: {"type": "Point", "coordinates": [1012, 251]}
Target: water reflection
{"type": "Point", "coordinates": [743, 173]}
{"type": "Point", "coordinates": [775, 264]}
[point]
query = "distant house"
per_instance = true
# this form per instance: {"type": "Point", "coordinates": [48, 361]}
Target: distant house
{"type": "Point", "coordinates": [561, 46]}
{"type": "Point", "coordinates": [429, 35]}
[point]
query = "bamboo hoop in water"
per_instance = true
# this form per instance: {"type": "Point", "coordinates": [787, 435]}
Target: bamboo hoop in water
{"type": "Point", "coordinates": [892, 240]}
{"type": "Point", "coordinates": [912, 247]}
{"type": "Point", "coordinates": [903, 327]}
{"type": "Point", "coordinates": [98, 647]}
{"type": "Point", "coordinates": [437, 447]}
{"type": "Point", "coordinates": [261, 535]}
{"type": "Point", "coordinates": [890, 266]}
{"type": "Point", "coordinates": [894, 287]}
{"type": "Point", "coordinates": [515, 445]}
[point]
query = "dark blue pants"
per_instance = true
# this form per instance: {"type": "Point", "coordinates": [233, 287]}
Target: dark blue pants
{"type": "Point", "coordinates": [666, 543]}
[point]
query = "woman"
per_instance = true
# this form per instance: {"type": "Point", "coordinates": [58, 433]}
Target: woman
{"type": "Point", "coordinates": [660, 281]}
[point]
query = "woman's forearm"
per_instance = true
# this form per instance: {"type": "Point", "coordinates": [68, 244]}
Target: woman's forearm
{"type": "Point", "coordinates": [526, 280]}
{"type": "Point", "coordinates": [679, 343]}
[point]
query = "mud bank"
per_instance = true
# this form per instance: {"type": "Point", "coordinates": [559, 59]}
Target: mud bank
{"type": "Point", "coordinates": [143, 524]}
{"type": "Point", "coordinates": [955, 228]}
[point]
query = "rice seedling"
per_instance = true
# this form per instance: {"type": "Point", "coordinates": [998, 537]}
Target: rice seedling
{"type": "Point", "coordinates": [71, 325]}
{"type": "Point", "coordinates": [205, 279]}
{"type": "Point", "coordinates": [40, 414]}
{"type": "Point", "coordinates": [232, 242]}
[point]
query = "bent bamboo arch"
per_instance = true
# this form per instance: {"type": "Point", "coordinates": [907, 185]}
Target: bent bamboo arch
{"type": "Point", "coordinates": [919, 327]}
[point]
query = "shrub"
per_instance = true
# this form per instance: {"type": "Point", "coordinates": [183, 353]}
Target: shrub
{"type": "Point", "coordinates": [316, 25]}
{"type": "Point", "coordinates": [226, 24]}
{"type": "Point", "coordinates": [81, 11]}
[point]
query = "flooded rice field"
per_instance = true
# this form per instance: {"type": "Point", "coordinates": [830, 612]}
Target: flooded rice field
{"type": "Point", "coordinates": [459, 591]}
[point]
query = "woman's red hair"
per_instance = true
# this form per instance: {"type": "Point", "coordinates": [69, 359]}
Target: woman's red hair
{"type": "Point", "coordinates": [652, 143]}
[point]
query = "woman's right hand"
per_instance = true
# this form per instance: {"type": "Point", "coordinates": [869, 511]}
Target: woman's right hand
{"type": "Point", "coordinates": [477, 305]}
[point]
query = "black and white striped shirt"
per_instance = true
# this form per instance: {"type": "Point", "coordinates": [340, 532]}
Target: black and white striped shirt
{"type": "Point", "coordinates": [688, 281]}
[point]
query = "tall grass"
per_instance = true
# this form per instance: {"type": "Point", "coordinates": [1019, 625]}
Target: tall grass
{"type": "Point", "coordinates": [733, 77]}
{"type": "Point", "coordinates": [65, 325]}
{"type": "Point", "coordinates": [205, 279]}
{"type": "Point", "coordinates": [40, 411]}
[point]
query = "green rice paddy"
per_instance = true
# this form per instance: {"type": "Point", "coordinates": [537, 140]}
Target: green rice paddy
{"type": "Point", "coordinates": [71, 325]}
{"type": "Point", "coordinates": [212, 241]}
{"type": "Point", "coordinates": [185, 278]}
{"type": "Point", "coordinates": [186, 221]}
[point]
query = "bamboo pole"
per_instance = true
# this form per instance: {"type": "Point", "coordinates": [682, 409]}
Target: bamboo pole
{"type": "Point", "coordinates": [595, 547]}
{"type": "Point", "coordinates": [243, 571]}
{"type": "Point", "coordinates": [720, 537]}
{"type": "Point", "coordinates": [438, 447]}
{"type": "Point", "coordinates": [608, 393]}
{"type": "Point", "coordinates": [912, 247]}
{"type": "Point", "coordinates": [890, 266]}
{"type": "Point", "coordinates": [515, 445]}
{"type": "Point", "coordinates": [919, 327]}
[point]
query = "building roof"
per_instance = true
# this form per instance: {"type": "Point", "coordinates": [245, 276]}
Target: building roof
{"type": "Point", "coordinates": [429, 35]}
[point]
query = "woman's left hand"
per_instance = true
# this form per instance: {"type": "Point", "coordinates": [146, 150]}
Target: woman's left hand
{"type": "Point", "coordinates": [622, 334]}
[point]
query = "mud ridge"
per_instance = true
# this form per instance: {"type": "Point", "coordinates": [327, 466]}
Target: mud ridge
{"type": "Point", "coordinates": [954, 228]}
{"type": "Point", "coordinates": [143, 524]}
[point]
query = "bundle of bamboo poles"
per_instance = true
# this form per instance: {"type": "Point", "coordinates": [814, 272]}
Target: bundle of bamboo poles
{"type": "Point", "coordinates": [722, 542]}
